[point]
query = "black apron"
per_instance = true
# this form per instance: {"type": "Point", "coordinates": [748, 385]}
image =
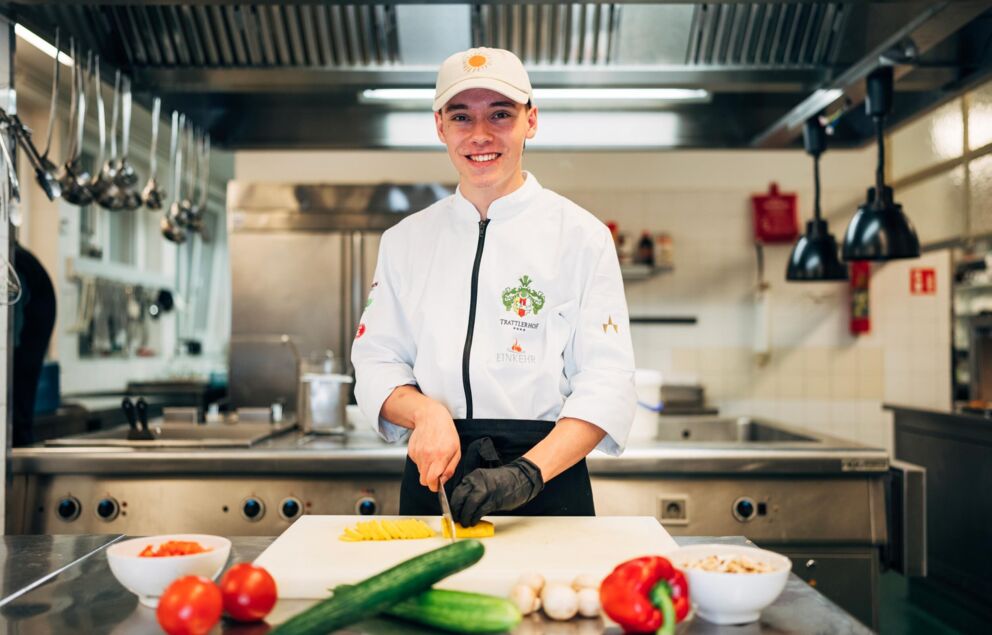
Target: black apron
{"type": "Point", "coordinates": [488, 443]}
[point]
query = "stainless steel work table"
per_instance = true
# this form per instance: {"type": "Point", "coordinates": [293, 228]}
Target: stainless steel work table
{"type": "Point", "coordinates": [362, 452]}
{"type": "Point", "coordinates": [84, 597]}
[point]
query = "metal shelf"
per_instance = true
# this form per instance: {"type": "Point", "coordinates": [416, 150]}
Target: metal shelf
{"type": "Point", "coordinates": [643, 272]}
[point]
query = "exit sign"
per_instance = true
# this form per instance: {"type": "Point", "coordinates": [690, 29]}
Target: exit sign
{"type": "Point", "coordinates": [923, 281]}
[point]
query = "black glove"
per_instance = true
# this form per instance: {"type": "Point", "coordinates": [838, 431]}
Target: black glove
{"type": "Point", "coordinates": [487, 490]}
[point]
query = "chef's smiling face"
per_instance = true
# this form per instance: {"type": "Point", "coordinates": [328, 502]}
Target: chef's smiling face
{"type": "Point", "coordinates": [485, 132]}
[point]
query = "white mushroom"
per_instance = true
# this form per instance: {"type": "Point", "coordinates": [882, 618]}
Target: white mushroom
{"type": "Point", "coordinates": [588, 602]}
{"type": "Point", "coordinates": [585, 581]}
{"type": "Point", "coordinates": [525, 599]}
{"type": "Point", "coordinates": [532, 579]}
{"type": "Point", "coordinates": [560, 601]}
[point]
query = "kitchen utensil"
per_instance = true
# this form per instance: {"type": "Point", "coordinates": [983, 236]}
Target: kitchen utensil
{"type": "Point", "coordinates": [732, 598]}
{"type": "Point", "coordinates": [323, 399]}
{"type": "Point", "coordinates": [109, 194]}
{"type": "Point", "coordinates": [149, 577]}
{"type": "Point", "coordinates": [129, 413]}
{"type": "Point", "coordinates": [11, 283]}
{"type": "Point", "coordinates": [8, 161]}
{"type": "Point", "coordinates": [153, 195]}
{"type": "Point", "coordinates": [126, 176]}
{"type": "Point", "coordinates": [142, 408]}
{"type": "Point", "coordinates": [46, 170]}
{"type": "Point", "coordinates": [137, 413]}
{"type": "Point", "coordinates": [446, 517]}
{"type": "Point", "coordinates": [73, 177]}
{"type": "Point", "coordinates": [171, 228]}
{"type": "Point", "coordinates": [185, 212]}
{"type": "Point", "coordinates": [308, 559]}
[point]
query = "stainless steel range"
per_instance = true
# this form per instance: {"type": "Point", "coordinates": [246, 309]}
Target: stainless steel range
{"type": "Point", "coordinates": [820, 500]}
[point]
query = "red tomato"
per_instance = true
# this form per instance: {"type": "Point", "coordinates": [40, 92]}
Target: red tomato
{"type": "Point", "coordinates": [249, 592]}
{"type": "Point", "coordinates": [190, 606]}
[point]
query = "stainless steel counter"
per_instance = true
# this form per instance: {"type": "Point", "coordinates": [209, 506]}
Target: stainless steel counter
{"type": "Point", "coordinates": [85, 598]}
{"type": "Point", "coordinates": [29, 561]}
{"type": "Point", "coordinates": [794, 452]}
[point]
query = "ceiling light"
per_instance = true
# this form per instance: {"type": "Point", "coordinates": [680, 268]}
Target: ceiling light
{"type": "Point", "coordinates": [544, 95]}
{"type": "Point", "coordinates": [880, 230]}
{"type": "Point", "coordinates": [814, 256]}
{"type": "Point", "coordinates": [40, 44]}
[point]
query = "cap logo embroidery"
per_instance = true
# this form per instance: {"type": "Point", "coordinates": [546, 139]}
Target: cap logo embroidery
{"type": "Point", "coordinates": [476, 62]}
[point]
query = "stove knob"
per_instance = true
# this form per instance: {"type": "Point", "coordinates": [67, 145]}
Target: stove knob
{"type": "Point", "coordinates": [290, 508]}
{"type": "Point", "coordinates": [107, 508]}
{"type": "Point", "coordinates": [366, 506]}
{"type": "Point", "coordinates": [68, 508]}
{"type": "Point", "coordinates": [253, 509]}
{"type": "Point", "coordinates": [744, 509]}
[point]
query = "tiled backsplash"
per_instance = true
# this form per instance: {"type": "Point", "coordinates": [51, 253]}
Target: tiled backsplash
{"type": "Point", "coordinates": [816, 374]}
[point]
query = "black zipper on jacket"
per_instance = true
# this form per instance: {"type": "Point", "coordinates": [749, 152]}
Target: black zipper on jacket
{"type": "Point", "coordinates": [467, 352]}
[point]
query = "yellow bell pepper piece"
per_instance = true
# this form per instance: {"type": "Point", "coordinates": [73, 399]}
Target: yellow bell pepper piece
{"type": "Point", "coordinates": [484, 529]}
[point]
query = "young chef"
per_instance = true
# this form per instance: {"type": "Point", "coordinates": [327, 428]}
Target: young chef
{"type": "Point", "coordinates": [496, 333]}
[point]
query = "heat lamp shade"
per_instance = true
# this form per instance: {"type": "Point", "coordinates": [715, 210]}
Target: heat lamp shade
{"type": "Point", "coordinates": [880, 230]}
{"type": "Point", "coordinates": [814, 256]}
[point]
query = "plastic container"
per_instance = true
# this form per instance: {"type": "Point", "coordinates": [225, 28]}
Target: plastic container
{"type": "Point", "coordinates": [647, 382]}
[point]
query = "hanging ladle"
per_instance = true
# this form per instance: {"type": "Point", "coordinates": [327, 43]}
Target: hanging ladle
{"type": "Point", "coordinates": [73, 178]}
{"type": "Point", "coordinates": [201, 204]}
{"type": "Point", "coordinates": [108, 194]}
{"type": "Point", "coordinates": [127, 177]}
{"type": "Point", "coordinates": [153, 195]}
{"type": "Point", "coordinates": [169, 225]}
{"type": "Point", "coordinates": [45, 170]}
{"type": "Point", "coordinates": [186, 213]}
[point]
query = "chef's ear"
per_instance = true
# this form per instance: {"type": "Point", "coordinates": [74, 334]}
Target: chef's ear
{"type": "Point", "coordinates": [438, 125]}
{"type": "Point", "coordinates": [531, 120]}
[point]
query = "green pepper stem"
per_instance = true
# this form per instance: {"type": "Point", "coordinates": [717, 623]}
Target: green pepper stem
{"type": "Point", "coordinates": [661, 597]}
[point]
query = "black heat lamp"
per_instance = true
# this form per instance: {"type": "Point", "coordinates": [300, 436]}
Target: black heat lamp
{"type": "Point", "coordinates": [880, 230]}
{"type": "Point", "coordinates": [814, 256]}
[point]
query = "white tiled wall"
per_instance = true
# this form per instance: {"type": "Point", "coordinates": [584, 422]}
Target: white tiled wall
{"type": "Point", "coordinates": [817, 374]}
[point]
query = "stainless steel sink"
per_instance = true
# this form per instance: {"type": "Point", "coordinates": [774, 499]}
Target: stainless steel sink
{"type": "Point", "coordinates": [181, 435]}
{"type": "Point", "coordinates": [728, 430]}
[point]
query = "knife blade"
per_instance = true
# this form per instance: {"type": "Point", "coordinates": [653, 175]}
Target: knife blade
{"type": "Point", "coordinates": [446, 517]}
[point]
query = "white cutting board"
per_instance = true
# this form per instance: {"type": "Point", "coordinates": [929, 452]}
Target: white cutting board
{"type": "Point", "coordinates": [308, 559]}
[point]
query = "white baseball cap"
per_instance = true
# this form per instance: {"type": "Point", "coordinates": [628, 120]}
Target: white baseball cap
{"type": "Point", "coordinates": [494, 69]}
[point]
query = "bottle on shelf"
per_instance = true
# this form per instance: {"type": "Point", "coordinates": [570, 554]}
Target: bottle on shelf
{"type": "Point", "coordinates": [645, 250]}
{"type": "Point", "coordinates": [664, 251]}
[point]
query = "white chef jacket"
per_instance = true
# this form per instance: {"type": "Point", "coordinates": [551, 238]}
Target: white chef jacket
{"type": "Point", "coordinates": [551, 336]}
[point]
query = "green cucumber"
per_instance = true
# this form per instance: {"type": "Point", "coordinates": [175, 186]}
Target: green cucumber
{"type": "Point", "coordinates": [383, 590]}
{"type": "Point", "coordinates": [455, 611]}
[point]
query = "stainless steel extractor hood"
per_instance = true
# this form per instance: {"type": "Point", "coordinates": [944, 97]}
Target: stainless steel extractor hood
{"type": "Point", "coordinates": [270, 74]}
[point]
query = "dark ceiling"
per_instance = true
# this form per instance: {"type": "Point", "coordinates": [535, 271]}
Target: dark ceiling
{"type": "Point", "coordinates": [287, 74]}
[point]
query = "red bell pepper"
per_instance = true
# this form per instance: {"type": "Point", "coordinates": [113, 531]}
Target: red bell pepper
{"type": "Point", "coordinates": [645, 595]}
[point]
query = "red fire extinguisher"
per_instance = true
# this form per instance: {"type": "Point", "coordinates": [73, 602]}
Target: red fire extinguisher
{"type": "Point", "coordinates": [860, 276]}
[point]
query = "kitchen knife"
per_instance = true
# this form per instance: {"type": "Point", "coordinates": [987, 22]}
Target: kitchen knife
{"type": "Point", "coordinates": [446, 517]}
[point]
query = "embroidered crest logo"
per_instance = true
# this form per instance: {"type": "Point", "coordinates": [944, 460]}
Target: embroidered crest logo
{"type": "Point", "coordinates": [523, 300]}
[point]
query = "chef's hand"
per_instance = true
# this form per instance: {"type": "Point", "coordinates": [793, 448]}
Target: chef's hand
{"type": "Point", "coordinates": [434, 445]}
{"type": "Point", "coordinates": [487, 490]}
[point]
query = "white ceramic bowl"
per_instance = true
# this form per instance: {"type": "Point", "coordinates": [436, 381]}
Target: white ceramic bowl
{"type": "Point", "coordinates": [149, 577]}
{"type": "Point", "coordinates": [732, 598]}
